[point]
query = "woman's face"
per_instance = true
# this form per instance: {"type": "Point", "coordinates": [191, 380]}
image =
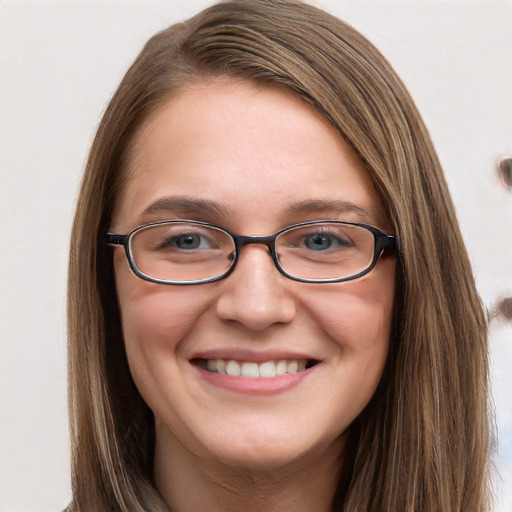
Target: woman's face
{"type": "Point", "coordinates": [252, 160]}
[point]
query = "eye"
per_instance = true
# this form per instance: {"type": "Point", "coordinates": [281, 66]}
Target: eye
{"type": "Point", "coordinates": [324, 241]}
{"type": "Point", "coordinates": [318, 242]}
{"type": "Point", "coordinates": [187, 241]}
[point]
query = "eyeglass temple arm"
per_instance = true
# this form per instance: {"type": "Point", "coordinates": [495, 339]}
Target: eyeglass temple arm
{"type": "Point", "coordinates": [389, 242]}
{"type": "Point", "coordinates": [110, 238]}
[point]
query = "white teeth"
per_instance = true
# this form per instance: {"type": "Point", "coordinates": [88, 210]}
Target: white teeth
{"type": "Point", "coordinates": [281, 367]}
{"type": "Point", "coordinates": [233, 369]}
{"type": "Point", "coordinates": [292, 366]}
{"type": "Point", "coordinates": [221, 366]}
{"type": "Point", "coordinates": [250, 370]}
{"type": "Point", "coordinates": [266, 370]}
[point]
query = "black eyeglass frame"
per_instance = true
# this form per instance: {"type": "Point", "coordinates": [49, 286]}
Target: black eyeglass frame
{"type": "Point", "coordinates": [383, 242]}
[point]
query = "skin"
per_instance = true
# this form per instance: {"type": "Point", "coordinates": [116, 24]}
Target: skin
{"type": "Point", "coordinates": [255, 152]}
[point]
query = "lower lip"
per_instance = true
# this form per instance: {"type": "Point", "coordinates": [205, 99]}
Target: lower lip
{"type": "Point", "coordinates": [254, 386]}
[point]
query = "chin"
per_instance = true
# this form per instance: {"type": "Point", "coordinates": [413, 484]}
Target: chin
{"type": "Point", "coordinates": [266, 449]}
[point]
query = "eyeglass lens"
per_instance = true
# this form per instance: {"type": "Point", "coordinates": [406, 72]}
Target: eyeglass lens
{"type": "Point", "coordinates": [186, 251]}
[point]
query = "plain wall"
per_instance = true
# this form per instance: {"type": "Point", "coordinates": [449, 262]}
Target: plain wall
{"type": "Point", "coordinates": [60, 61]}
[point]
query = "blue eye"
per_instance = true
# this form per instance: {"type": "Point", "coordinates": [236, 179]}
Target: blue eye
{"type": "Point", "coordinates": [186, 241]}
{"type": "Point", "coordinates": [323, 241]}
{"type": "Point", "coordinates": [318, 242]}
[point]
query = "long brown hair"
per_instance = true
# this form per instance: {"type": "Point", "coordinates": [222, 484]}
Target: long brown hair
{"type": "Point", "coordinates": [422, 443]}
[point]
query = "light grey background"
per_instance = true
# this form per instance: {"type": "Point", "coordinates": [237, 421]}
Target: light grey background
{"type": "Point", "coordinates": [59, 63]}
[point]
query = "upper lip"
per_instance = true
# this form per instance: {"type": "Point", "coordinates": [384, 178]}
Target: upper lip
{"type": "Point", "coordinates": [252, 355]}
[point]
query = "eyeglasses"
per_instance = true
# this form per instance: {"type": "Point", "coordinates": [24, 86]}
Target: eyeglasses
{"type": "Point", "coordinates": [192, 252]}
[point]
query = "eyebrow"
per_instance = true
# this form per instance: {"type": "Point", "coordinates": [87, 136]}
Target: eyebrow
{"type": "Point", "coordinates": [188, 205]}
{"type": "Point", "coordinates": [332, 206]}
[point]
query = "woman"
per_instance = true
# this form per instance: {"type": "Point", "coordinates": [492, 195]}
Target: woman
{"type": "Point", "coordinates": [292, 322]}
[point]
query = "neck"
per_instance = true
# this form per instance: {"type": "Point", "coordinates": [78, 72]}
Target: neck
{"type": "Point", "coordinates": [188, 482]}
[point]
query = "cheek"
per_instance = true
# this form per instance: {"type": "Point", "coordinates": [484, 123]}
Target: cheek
{"type": "Point", "coordinates": [357, 319]}
{"type": "Point", "coordinates": [154, 320]}
{"type": "Point", "coordinates": [357, 314]}
{"type": "Point", "coordinates": [149, 314]}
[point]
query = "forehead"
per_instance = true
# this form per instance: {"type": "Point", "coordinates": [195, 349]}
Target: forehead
{"type": "Point", "coordinates": [256, 151]}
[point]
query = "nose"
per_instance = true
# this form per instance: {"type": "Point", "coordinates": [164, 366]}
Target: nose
{"type": "Point", "coordinates": [256, 295]}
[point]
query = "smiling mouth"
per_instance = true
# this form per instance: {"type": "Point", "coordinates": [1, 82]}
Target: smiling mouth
{"type": "Point", "coordinates": [251, 369]}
